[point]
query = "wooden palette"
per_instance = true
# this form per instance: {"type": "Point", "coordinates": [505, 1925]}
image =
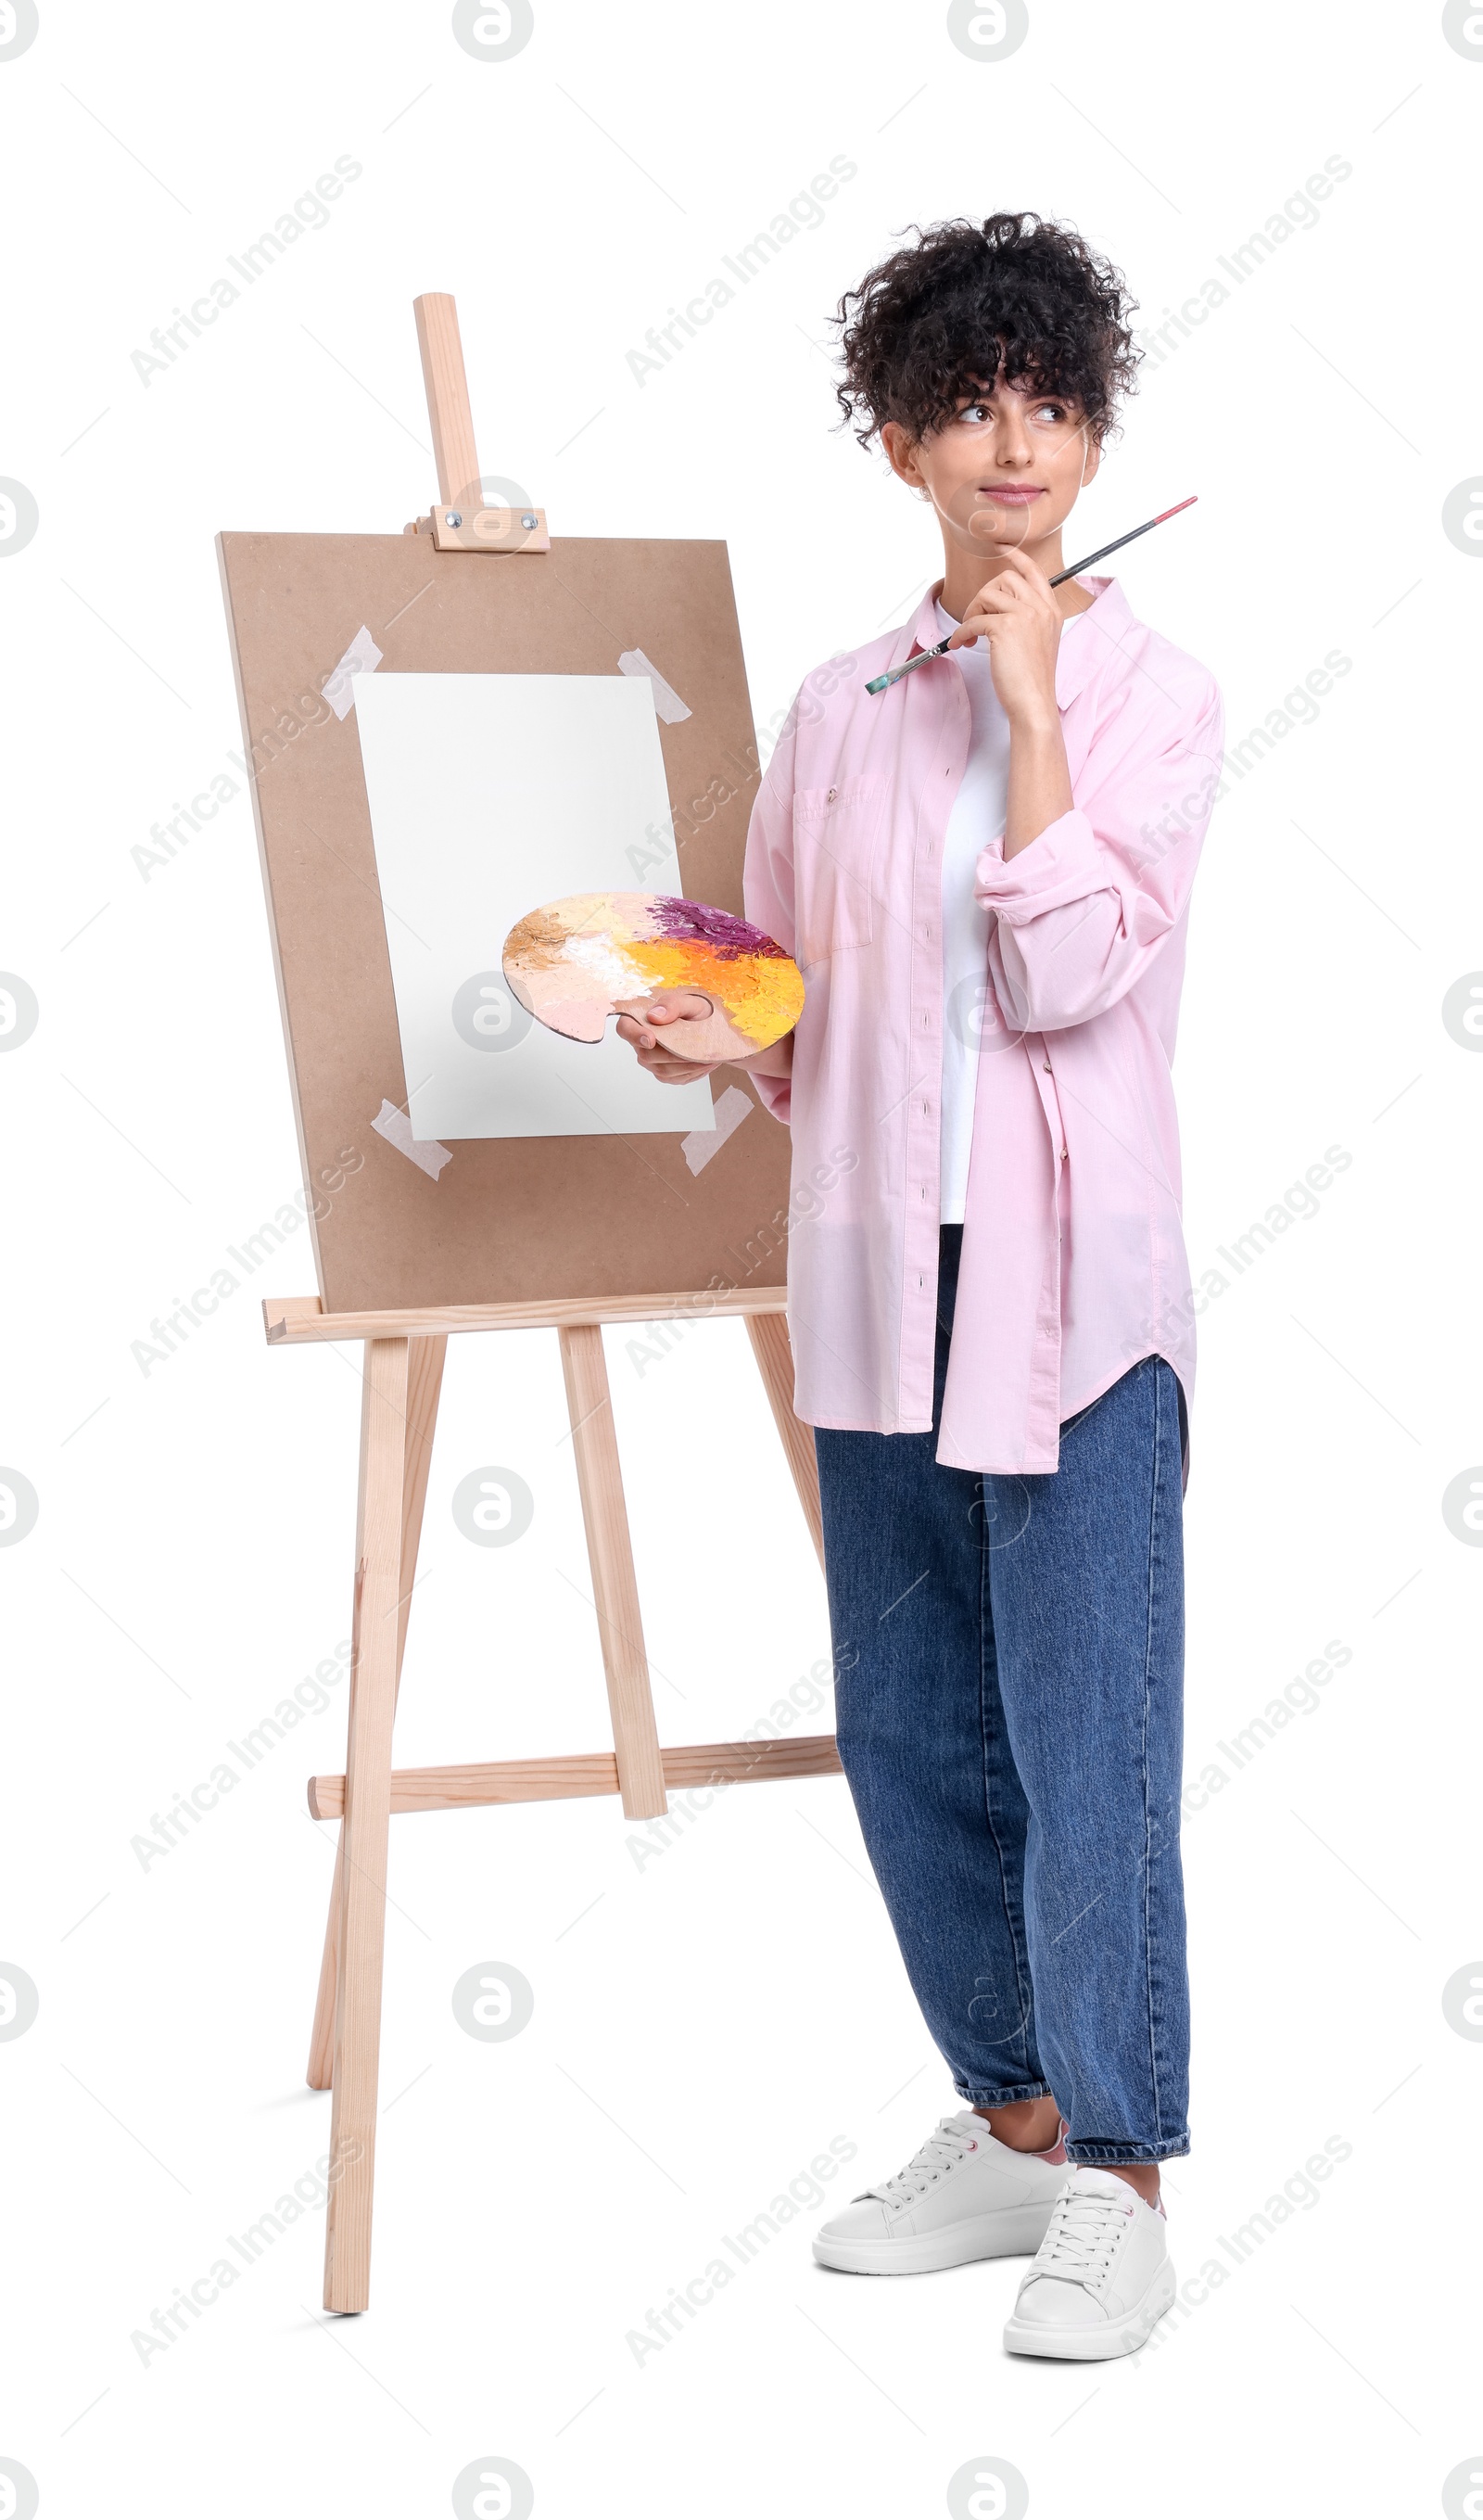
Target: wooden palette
{"type": "Point", "coordinates": [575, 962]}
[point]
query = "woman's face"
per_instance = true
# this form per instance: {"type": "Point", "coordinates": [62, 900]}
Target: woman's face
{"type": "Point", "coordinates": [1005, 470]}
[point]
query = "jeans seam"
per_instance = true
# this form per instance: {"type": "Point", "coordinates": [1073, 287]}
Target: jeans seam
{"type": "Point", "coordinates": [1020, 1958]}
{"type": "Point", "coordinates": [1000, 2095]}
{"type": "Point", "coordinates": [1174, 2148]}
{"type": "Point", "coordinates": [1147, 1831]}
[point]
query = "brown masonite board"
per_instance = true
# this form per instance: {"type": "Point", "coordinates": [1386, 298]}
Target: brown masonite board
{"type": "Point", "coordinates": [518, 1219]}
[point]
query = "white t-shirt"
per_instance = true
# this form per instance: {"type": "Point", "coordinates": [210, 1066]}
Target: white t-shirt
{"type": "Point", "coordinates": [977, 817]}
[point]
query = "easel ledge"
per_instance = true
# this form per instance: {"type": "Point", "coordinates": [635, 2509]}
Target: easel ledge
{"type": "Point", "coordinates": [295, 1321]}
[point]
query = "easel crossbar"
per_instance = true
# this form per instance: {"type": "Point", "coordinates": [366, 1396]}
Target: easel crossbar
{"type": "Point", "coordinates": [294, 1320]}
{"type": "Point", "coordinates": [590, 1772]}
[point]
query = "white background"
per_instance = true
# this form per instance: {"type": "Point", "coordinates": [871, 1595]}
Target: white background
{"type": "Point", "coordinates": [706, 2022]}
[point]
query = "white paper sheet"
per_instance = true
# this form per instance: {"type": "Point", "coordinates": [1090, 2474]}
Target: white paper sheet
{"type": "Point", "coordinates": [489, 794]}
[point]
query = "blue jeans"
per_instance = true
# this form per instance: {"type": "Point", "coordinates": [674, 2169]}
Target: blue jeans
{"type": "Point", "coordinates": [1010, 1656]}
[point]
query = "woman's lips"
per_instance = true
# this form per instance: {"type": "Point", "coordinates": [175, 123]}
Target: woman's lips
{"type": "Point", "coordinates": [1017, 498]}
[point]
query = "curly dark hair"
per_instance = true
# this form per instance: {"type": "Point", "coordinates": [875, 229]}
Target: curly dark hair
{"type": "Point", "coordinates": [1018, 296]}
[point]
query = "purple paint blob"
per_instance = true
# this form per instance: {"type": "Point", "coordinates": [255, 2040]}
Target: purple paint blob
{"type": "Point", "coordinates": [729, 938]}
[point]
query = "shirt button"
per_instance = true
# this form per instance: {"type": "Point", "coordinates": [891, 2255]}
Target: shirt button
{"type": "Point", "coordinates": [832, 794]}
{"type": "Point", "coordinates": [1063, 1154]}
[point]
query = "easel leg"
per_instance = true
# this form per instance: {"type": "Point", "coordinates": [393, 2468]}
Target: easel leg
{"type": "Point", "coordinates": [614, 1585]}
{"type": "Point", "coordinates": [322, 2036]}
{"type": "Point", "coordinates": [424, 1380]}
{"type": "Point", "coordinates": [774, 1352]}
{"type": "Point", "coordinates": [362, 1921]}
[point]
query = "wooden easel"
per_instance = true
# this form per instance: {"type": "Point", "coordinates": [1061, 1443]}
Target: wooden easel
{"type": "Point", "coordinates": [405, 1351]}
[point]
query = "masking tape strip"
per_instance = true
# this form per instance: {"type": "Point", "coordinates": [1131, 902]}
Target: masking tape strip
{"type": "Point", "coordinates": [362, 656]}
{"type": "Point", "coordinates": [668, 700]}
{"type": "Point", "coordinates": [701, 1144]}
{"type": "Point", "coordinates": [395, 1127]}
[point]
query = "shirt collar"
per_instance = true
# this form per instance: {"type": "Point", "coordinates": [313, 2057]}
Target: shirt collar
{"type": "Point", "coordinates": [1106, 623]}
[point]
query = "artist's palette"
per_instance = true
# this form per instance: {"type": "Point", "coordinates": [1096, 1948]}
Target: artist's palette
{"type": "Point", "coordinates": [574, 963]}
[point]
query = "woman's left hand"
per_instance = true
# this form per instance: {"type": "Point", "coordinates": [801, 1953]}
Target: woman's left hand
{"type": "Point", "coordinates": [1016, 611]}
{"type": "Point", "coordinates": [659, 1027]}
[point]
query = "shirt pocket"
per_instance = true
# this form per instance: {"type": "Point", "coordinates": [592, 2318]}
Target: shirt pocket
{"type": "Point", "coordinates": [837, 849]}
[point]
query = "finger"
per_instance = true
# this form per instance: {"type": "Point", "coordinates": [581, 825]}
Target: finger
{"type": "Point", "coordinates": [990, 623]}
{"type": "Point", "coordinates": [996, 595]}
{"type": "Point", "coordinates": [1020, 578]}
{"type": "Point", "coordinates": [1006, 586]}
{"type": "Point", "coordinates": [974, 625]}
{"type": "Point", "coordinates": [1030, 577]}
{"type": "Point", "coordinates": [676, 1006]}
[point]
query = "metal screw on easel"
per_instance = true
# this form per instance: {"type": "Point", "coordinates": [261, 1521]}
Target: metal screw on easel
{"type": "Point", "coordinates": [452, 517]}
{"type": "Point", "coordinates": [527, 522]}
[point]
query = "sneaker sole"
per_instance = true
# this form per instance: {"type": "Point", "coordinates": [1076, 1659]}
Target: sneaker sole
{"type": "Point", "coordinates": [1096, 2344]}
{"type": "Point", "coordinates": [1015, 2233]}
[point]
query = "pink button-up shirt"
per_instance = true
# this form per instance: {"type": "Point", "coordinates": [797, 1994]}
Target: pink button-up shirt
{"type": "Point", "coordinates": [1073, 1258]}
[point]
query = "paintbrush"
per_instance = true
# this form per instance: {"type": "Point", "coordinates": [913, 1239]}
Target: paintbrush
{"type": "Point", "coordinates": [884, 681]}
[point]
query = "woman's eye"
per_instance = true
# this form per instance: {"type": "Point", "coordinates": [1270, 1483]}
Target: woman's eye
{"type": "Point", "coordinates": [975, 412]}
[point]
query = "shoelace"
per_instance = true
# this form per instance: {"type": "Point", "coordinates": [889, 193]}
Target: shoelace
{"type": "Point", "coordinates": [942, 2151]}
{"type": "Point", "coordinates": [1084, 2232]}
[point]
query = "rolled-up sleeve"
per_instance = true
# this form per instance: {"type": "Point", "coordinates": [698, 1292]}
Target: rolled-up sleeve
{"type": "Point", "coordinates": [767, 887]}
{"type": "Point", "coordinates": [1081, 911]}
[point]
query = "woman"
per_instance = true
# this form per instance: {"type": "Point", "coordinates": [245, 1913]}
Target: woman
{"type": "Point", "coordinates": [985, 873]}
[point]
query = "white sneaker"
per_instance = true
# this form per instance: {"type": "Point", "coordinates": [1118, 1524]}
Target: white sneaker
{"type": "Point", "coordinates": [964, 2195]}
{"type": "Point", "coordinates": [1101, 2278]}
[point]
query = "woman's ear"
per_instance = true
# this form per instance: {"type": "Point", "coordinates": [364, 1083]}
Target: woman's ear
{"type": "Point", "coordinates": [901, 454]}
{"type": "Point", "coordinates": [1091, 457]}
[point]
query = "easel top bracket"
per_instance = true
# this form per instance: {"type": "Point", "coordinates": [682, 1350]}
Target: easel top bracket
{"type": "Point", "coordinates": [461, 522]}
{"type": "Point", "coordinates": [484, 530]}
